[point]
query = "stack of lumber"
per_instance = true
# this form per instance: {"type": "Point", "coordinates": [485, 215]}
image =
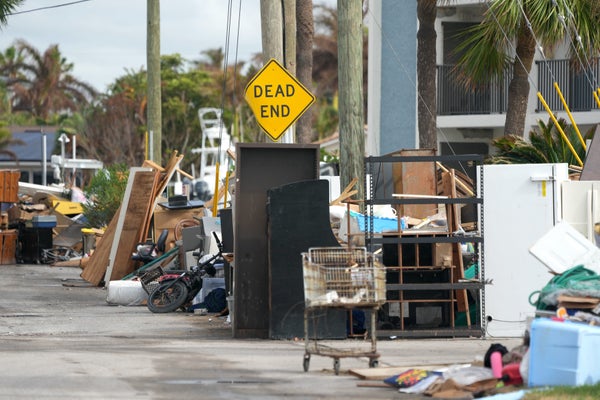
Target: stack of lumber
{"type": "Point", "coordinates": [131, 223]}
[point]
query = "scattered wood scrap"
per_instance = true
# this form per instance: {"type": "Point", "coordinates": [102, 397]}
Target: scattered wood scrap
{"type": "Point", "coordinates": [346, 193]}
{"type": "Point", "coordinates": [130, 224]}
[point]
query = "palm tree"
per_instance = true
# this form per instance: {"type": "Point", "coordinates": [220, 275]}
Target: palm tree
{"type": "Point", "coordinates": [426, 73]}
{"type": "Point", "coordinates": [325, 61]}
{"type": "Point", "coordinates": [6, 9]}
{"type": "Point", "coordinates": [509, 34]}
{"type": "Point", "coordinates": [46, 85]}
{"type": "Point", "coordinates": [544, 146]}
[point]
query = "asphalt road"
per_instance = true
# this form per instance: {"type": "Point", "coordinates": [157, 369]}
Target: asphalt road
{"type": "Point", "coordinates": [59, 339]}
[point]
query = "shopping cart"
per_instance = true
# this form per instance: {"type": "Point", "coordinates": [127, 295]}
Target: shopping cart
{"type": "Point", "coordinates": [346, 278]}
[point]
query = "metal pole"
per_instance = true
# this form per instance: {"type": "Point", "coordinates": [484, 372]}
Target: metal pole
{"type": "Point", "coordinates": [44, 161]}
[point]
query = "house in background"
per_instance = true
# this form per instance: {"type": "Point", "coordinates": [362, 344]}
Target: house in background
{"type": "Point", "coordinates": [39, 153]}
{"type": "Point", "coordinates": [33, 149]}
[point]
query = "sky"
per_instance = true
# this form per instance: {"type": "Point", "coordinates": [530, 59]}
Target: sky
{"type": "Point", "coordinates": [106, 38]}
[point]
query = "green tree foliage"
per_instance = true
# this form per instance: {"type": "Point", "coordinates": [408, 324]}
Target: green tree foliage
{"type": "Point", "coordinates": [105, 193]}
{"type": "Point", "coordinates": [6, 8]}
{"type": "Point", "coordinates": [42, 83]}
{"type": "Point", "coordinates": [545, 145]}
{"type": "Point", "coordinates": [115, 124]}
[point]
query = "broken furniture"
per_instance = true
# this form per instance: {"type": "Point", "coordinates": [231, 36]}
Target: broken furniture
{"type": "Point", "coordinates": [260, 167]}
{"type": "Point", "coordinates": [148, 251]}
{"type": "Point", "coordinates": [131, 224]}
{"type": "Point", "coordinates": [425, 272]}
{"type": "Point", "coordinates": [298, 219]}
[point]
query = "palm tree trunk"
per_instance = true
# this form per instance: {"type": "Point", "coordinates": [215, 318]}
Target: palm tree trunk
{"type": "Point", "coordinates": [304, 58]}
{"type": "Point", "coordinates": [518, 91]}
{"type": "Point", "coordinates": [426, 71]}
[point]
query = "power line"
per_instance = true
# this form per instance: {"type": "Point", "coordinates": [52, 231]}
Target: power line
{"type": "Point", "coordinates": [48, 7]}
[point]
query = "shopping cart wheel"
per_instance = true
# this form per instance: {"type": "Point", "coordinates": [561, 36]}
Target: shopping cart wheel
{"type": "Point", "coordinates": [373, 363]}
{"type": "Point", "coordinates": [336, 366]}
{"type": "Point", "coordinates": [306, 362]}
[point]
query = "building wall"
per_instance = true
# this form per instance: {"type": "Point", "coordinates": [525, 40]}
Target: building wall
{"type": "Point", "coordinates": [393, 64]}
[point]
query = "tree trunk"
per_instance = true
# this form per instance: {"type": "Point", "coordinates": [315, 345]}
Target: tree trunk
{"type": "Point", "coordinates": [350, 82]}
{"type": "Point", "coordinates": [518, 90]}
{"type": "Point", "coordinates": [304, 48]}
{"type": "Point", "coordinates": [426, 72]}
{"type": "Point", "coordinates": [154, 97]}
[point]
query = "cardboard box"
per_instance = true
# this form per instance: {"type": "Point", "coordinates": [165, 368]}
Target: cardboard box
{"type": "Point", "coordinates": [168, 219]}
{"type": "Point", "coordinates": [563, 353]}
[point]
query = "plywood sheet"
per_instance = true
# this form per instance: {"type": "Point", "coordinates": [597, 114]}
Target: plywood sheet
{"type": "Point", "coordinates": [417, 177]}
{"type": "Point", "coordinates": [137, 201]}
{"type": "Point", "coordinates": [95, 269]}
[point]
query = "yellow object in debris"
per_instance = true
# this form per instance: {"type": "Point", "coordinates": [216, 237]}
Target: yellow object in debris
{"type": "Point", "coordinates": [66, 207]}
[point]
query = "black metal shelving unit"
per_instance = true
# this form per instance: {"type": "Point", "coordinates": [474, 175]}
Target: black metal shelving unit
{"type": "Point", "coordinates": [424, 283]}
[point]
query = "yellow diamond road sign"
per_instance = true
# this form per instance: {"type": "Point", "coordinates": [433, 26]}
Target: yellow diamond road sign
{"type": "Point", "coordinates": [277, 99]}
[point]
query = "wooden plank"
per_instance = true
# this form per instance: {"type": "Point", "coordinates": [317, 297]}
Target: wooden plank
{"type": "Point", "coordinates": [346, 193]}
{"type": "Point", "coordinates": [15, 186]}
{"type": "Point", "coordinates": [95, 269]}
{"type": "Point", "coordinates": [453, 220]}
{"type": "Point", "coordinates": [417, 177]}
{"type": "Point", "coordinates": [380, 373]}
{"type": "Point", "coordinates": [373, 384]}
{"type": "Point", "coordinates": [8, 241]}
{"type": "Point", "coordinates": [137, 200]}
{"type": "Point", "coordinates": [4, 175]}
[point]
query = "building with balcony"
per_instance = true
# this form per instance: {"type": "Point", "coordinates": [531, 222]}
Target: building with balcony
{"type": "Point", "coordinates": [467, 120]}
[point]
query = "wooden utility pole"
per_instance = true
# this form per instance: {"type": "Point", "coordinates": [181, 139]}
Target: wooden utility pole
{"type": "Point", "coordinates": [278, 24]}
{"type": "Point", "coordinates": [304, 59]}
{"type": "Point", "coordinates": [350, 83]}
{"type": "Point", "coordinates": [271, 13]}
{"type": "Point", "coordinates": [154, 114]}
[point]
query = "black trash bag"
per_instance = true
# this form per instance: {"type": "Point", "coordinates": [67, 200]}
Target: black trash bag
{"type": "Point", "coordinates": [214, 302]}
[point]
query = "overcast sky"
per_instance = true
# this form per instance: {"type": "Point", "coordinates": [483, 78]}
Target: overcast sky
{"type": "Point", "coordinates": [104, 38]}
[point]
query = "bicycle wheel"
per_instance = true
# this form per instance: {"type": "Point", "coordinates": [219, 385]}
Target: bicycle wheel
{"type": "Point", "coordinates": [167, 297]}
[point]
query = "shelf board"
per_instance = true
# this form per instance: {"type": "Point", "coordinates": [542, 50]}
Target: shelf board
{"type": "Point", "coordinates": [434, 286]}
{"type": "Point", "coordinates": [473, 331]}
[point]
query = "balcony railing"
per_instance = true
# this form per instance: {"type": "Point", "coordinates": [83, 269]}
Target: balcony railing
{"type": "Point", "coordinates": [455, 99]}
{"type": "Point", "coordinates": [576, 84]}
{"type": "Point", "coordinates": [492, 98]}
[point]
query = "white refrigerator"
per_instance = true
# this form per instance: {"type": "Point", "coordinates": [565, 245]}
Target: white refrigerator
{"type": "Point", "coordinates": [521, 202]}
{"type": "Point", "coordinates": [581, 207]}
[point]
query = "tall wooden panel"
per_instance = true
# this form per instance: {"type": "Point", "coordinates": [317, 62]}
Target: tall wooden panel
{"type": "Point", "coordinates": [260, 167]}
{"type": "Point", "coordinates": [298, 219]}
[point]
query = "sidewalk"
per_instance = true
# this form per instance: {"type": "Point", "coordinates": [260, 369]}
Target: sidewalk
{"type": "Point", "coordinates": [60, 339]}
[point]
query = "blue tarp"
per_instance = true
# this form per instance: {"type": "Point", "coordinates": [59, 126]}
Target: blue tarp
{"type": "Point", "coordinates": [379, 224]}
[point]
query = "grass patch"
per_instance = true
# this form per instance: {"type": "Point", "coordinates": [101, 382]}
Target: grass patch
{"type": "Point", "coordinates": [584, 392]}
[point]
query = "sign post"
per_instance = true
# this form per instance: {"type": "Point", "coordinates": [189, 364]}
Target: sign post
{"type": "Point", "coordinates": [277, 99]}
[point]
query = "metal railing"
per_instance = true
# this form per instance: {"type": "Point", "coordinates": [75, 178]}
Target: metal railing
{"type": "Point", "coordinates": [455, 99]}
{"type": "Point", "coordinates": [575, 84]}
